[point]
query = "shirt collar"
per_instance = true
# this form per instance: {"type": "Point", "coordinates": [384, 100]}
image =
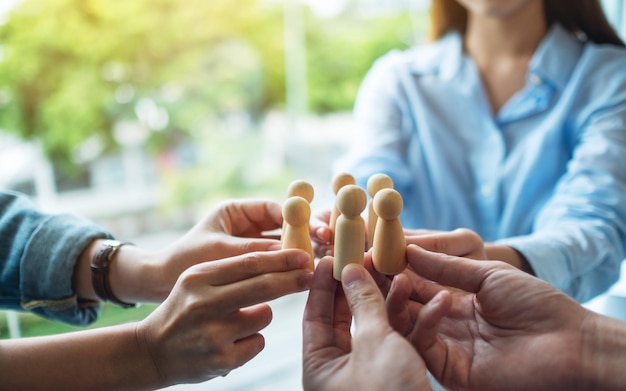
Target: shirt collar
{"type": "Point", "coordinates": [452, 55]}
{"type": "Point", "coordinates": [445, 57]}
{"type": "Point", "coordinates": [555, 58]}
{"type": "Point", "coordinates": [553, 61]}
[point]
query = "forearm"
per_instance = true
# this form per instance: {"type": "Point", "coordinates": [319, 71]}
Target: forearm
{"type": "Point", "coordinates": [107, 358]}
{"type": "Point", "coordinates": [604, 353]}
{"type": "Point", "coordinates": [509, 255]}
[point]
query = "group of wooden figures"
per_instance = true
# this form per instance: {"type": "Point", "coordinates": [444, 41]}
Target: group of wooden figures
{"type": "Point", "coordinates": [350, 240]}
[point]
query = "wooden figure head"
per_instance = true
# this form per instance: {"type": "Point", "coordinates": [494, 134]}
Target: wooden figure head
{"type": "Point", "coordinates": [296, 211]}
{"type": "Point", "coordinates": [378, 182]}
{"type": "Point", "coordinates": [351, 200]}
{"type": "Point", "coordinates": [388, 204]}
{"type": "Point", "coordinates": [342, 180]}
{"type": "Point", "coordinates": [302, 189]}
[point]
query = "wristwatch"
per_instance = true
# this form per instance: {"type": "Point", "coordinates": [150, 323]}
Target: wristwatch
{"type": "Point", "coordinates": [100, 272]}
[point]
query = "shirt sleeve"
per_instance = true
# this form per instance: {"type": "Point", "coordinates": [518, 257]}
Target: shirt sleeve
{"type": "Point", "coordinates": [579, 238]}
{"type": "Point", "coordinates": [38, 253]}
{"type": "Point", "coordinates": [383, 127]}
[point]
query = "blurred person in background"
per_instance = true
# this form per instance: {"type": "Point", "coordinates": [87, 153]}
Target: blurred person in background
{"type": "Point", "coordinates": [510, 123]}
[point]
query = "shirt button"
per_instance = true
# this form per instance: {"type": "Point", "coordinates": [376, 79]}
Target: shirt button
{"type": "Point", "coordinates": [535, 79]}
{"type": "Point", "coordinates": [486, 190]}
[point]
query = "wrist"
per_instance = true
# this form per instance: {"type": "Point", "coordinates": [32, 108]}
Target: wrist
{"type": "Point", "coordinates": [100, 267]}
{"type": "Point", "coordinates": [131, 365]}
{"type": "Point", "coordinates": [602, 355]}
{"type": "Point", "coordinates": [509, 255]}
{"type": "Point", "coordinates": [133, 276]}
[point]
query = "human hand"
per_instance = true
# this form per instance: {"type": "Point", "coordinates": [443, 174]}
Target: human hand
{"type": "Point", "coordinates": [321, 234]}
{"type": "Point", "coordinates": [233, 227]}
{"type": "Point", "coordinates": [375, 358]}
{"type": "Point", "coordinates": [463, 242]}
{"type": "Point", "coordinates": [502, 330]}
{"type": "Point", "coordinates": [460, 242]}
{"type": "Point", "coordinates": [210, 323]}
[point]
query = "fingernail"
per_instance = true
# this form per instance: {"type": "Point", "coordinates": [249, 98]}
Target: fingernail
{"type": "Point", "coordinates": [303, 259]}
{"type": "Point", "coordinates": [352, 275]}
{"type": "Point", "coordinates": [275, 247]}
{"type": "Point", "coordinates": [437, 299]}
{"type": "Point", "coordinates": [309, 279]}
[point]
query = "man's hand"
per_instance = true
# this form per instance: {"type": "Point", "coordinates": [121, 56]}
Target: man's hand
{"type": "Point", "coordinates": [375, 358]}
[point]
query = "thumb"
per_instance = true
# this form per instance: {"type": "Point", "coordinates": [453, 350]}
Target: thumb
{"type": "Point", "coordinates": [364, 298]}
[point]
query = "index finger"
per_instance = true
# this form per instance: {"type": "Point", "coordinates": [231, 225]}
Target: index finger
{"type": "Point", "coordinates": [463, 273]}
{"type": "Point", "coordinates": [249, 265]}
{"type": "Point", "coordinates": [318, 227]}
{"type": "Point", "coordinates": [460, 242]}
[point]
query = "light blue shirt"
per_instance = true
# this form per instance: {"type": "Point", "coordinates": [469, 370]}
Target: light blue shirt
{"type": "Point", "coordinates": [38, 253]}
{"type": "Point", "coordinates": [546, 175]}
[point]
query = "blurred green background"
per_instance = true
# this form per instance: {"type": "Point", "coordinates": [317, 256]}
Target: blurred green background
{"type": "Point", "coordinates": [72, 69]}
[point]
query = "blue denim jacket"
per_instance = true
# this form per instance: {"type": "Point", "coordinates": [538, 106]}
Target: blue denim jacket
{"type": "Point", "coordinates": [38, 252]}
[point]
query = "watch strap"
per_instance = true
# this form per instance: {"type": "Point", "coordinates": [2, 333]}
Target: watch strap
{"type": "Point", "coordinates": [100, 272]}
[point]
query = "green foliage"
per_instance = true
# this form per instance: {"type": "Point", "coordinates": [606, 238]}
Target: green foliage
{"type": "Point", "coordinates": [341, 50]}
{"type": "Point", "coordinates": [73, 69]}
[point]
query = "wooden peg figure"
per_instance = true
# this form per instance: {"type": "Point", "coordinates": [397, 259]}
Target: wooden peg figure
{"type": "Point", "coordinates": [296, 213]}
{"type": "Point", "coordinates": [375, 183]}
{"type": "Point", "coordinates": [389, 250]}
{"type": "Point", "coordinates": [339, 182]}
{"type": "Point", "coordinates": [302, 189]}
{"type": "Point", "coordinates": [349, 229]}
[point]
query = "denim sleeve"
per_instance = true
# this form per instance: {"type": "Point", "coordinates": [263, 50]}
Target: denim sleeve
{"type": "Point", "coordinates": [38, 253]}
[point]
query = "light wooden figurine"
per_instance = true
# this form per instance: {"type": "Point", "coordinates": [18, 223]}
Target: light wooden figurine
{"type": "Point", "coordinates": [339, 182]}
{"type": "Point", "coordinates": [296, 213]}
{"type": "Point", "coordinates": [375, 183]}
{"type": "Point", "coordinates": [389, 250]}
{"type": "Point", "coordinates": [302, 189]}
{"type": "Point", "coordinates": [350, 228]}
